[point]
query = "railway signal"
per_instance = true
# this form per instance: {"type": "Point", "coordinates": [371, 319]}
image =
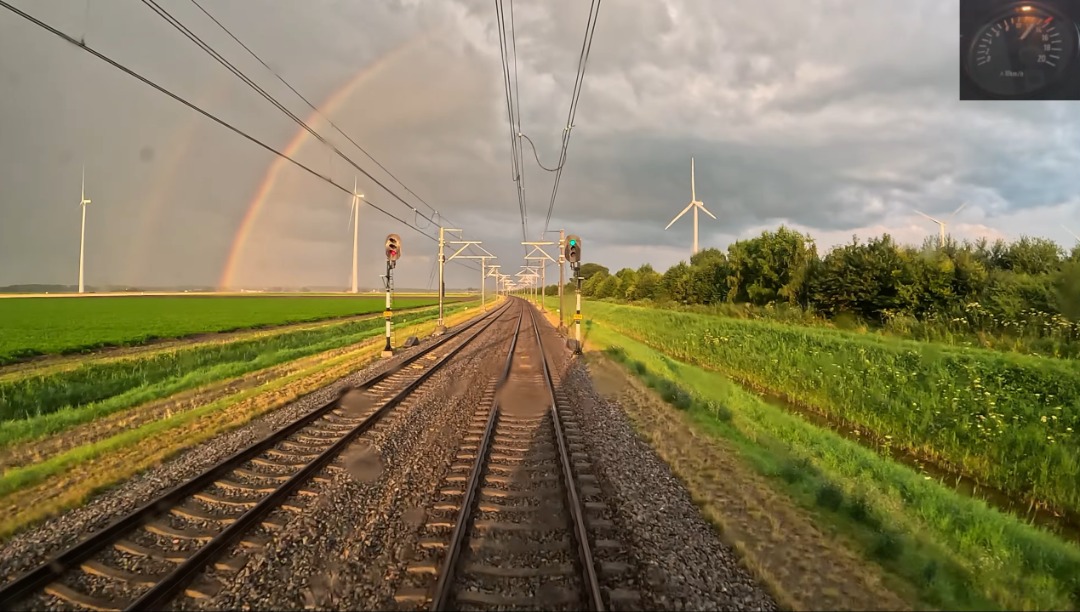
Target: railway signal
{"type": "Point", "coordinates": [573, 255]}
{"type": "Point", "coordinates": [573, 250]}
{"type": "Point", "coordinates": [393, 252]}
{"type": "Point", "coordinates": [393, 248]}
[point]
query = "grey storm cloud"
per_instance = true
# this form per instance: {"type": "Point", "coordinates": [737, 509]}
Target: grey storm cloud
{"type": "Point", "coordinates": [839, 117]}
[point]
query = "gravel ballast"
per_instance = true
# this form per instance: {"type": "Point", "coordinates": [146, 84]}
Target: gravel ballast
{"type": "Point", "coordinates": [682, 563]}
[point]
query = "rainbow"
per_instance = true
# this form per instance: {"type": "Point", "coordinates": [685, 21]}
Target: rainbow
{"type": "Point", "coordinates": [302, 136]}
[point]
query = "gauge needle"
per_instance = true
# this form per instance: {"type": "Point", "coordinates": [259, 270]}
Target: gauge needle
{"type": "Point", "coordinates": [1027, 31]}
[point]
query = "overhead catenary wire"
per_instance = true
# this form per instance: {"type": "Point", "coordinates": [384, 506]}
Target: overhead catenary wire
{"type": "Point", "coordinates": [517, 89]}
{"type": "Point", "coordinates": [207, 114]}
{"type": "Point", "coordinates": [320, 113]}
{"type": "Point", "coordinates": [508, 89]}
{"type": "Point", "coordinates": [153, 5]}
{"type": "Point", "coordinates": [517, 116]}
{"type": "Point", "coordinates": [583, 59]}
{"type": "Point", "coordinates": [535, 155]}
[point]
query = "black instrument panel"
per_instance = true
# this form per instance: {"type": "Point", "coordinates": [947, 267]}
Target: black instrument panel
{"type": "Point", "coordinates": [1013, 50]}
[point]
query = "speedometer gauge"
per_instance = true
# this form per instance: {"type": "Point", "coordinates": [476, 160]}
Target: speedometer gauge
{"type": "Point", "coordinates": [1024, 50]}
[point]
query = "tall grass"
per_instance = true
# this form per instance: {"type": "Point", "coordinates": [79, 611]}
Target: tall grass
{"type": "Point", "coordinates": [955, 551]}
{"type": "Point", "coordinates": [1010, 421]}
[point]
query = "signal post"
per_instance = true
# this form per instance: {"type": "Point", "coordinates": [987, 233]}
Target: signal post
{"type": "Point", "coordinates": [573, 255]}
{"type": "Point", "coordinates": [393, 252]}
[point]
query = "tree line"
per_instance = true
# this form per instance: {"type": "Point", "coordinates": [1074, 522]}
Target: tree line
{"type": "Point", "coordinates": [990, 286]}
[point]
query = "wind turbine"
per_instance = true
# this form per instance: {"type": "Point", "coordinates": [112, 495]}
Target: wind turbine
{"type": "Point", "coordinates": [82, 242]}
{"type": "Point", "coordinates": [942, 224]}
{"type": "Point", "coordinates": [354, 216]}
{"type": "Point", "coordinates": [1071, 233]}
{"type": "Point", "coordinates": [695, 204]}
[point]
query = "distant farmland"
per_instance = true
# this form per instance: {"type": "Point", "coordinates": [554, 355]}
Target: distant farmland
{"type": "Point", "coordinates": [36, 326]}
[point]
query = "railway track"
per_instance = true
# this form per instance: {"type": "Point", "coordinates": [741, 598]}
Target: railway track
{"type": "Point", "coordinates": [150, 556]}
{"type": "Point", "coordinates": [519, 521]}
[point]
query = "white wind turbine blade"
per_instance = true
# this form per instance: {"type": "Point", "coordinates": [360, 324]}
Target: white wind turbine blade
{"type": "Point", "coordinates": [693, 184]}
{"type": "Point", "coordinates": [701, 205]}
{"type": "Point", "coordinates": [929, 217]}
{"type": "Point", "coordinates": [958, 210]}
{"type": "Point", "coordinates": [688, 207]}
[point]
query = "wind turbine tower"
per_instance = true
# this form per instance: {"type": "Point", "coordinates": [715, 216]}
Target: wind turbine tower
{"type": "Point", "coordinates": [942, 224]}
{"type": "Point", "coordinates": [354, 215]}
{"type": "Point", "coordinates": [695, 204]}
{"type": "Point", "coordinates": [82, 242]}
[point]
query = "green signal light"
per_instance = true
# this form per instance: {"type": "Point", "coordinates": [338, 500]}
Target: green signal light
{"type": "Point", "coordinates": [573, 242]}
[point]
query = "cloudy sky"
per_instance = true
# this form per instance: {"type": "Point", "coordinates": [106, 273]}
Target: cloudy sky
{"type": "Point", "coordinates": [837, 117]}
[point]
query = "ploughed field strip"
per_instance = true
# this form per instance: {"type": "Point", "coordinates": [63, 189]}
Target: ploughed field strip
{"type": "Point", "coordinates": [519, 520]}
{"type": "Point", "coordinates": [187, 541]}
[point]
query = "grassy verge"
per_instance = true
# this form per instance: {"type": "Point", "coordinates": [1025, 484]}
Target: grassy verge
{"type": "Point", "coordinates": [32, 493]}
{"type": "Point", "coordinates": [35, 407]}
{"type": "Point", "coordinates": [1009, 421]}
{"type": "Point", "coordinates": [39, 326]}
{"type": "Point", "coordinates": [953, 552]}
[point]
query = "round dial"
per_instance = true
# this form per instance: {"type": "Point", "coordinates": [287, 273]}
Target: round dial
{"type": "Point", "coordinates": [1023, 51]}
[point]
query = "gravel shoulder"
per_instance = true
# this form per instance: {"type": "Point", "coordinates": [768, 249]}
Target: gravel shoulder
{"type": "Point", "coordinates": [804, 567]}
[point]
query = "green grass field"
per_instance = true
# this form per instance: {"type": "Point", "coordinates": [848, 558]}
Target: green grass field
{"type": "Point", "coordinates": [1010, 421]}
{"type": "Point", "coordinates": [37, 326]}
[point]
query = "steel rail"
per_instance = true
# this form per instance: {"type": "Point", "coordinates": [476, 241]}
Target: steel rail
{"type": "Point", "coordinates": [445, 583]}
{"type": "Point", "coordinates": [573, 502]}
{"type": "Point", "coordinates": [443, 595]}
{"type": "Point", "coordinates": [42, 575]}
